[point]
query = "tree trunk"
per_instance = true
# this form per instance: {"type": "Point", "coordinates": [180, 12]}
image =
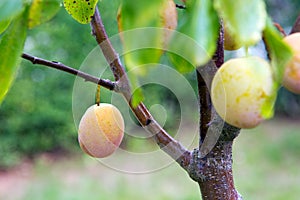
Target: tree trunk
{"type": "Point", "coordinates": [211, 164]}
{"type": "Point", "coordinates": [213, 172]}
{"type": "Point", "coordinates": [217, 172]}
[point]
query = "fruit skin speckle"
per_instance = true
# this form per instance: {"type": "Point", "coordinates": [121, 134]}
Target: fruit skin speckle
{"type": "Point", "coordinates": [101, 130]}
{"type": "Point", "coordinates": [81, 10]}
{"type": "Point", "coordinates": [240, 89]}
{"type": "Point", "coordinates": [291, 80]}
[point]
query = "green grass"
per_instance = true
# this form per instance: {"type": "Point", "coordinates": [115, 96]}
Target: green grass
{"type": "Point", "coordinates": [89, 179]}
{"type": "Point", "coordinates": [266, 166]}
{"type": "Point", "coordinates": [267, 161]}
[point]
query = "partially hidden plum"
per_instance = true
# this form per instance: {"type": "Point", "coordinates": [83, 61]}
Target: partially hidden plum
{"type": "Point", "coordinates": [291, 80]}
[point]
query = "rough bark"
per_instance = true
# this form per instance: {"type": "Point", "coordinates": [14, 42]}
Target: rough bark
{"type": "Point", "coordinates": [213, 172]}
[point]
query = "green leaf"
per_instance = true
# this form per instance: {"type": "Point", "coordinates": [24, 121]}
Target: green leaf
{"type": "Point", "coordinates": [42, 11]}
{"type": "Point", "coordinates": [280, 52]}
{"type": "Point", "coordinates": [267, 109]}
{"type": "Point", "coordinates": [4, 25]}
{"type": "Point", "coordinates": [137, 95]}
{"type": "Point", "coordinates": [245, 19]}
{"type": "Point", "coordinates": [10, 8]}
{"type": "Point", "coordinates": [144, 28]}
{"type": "Point", "coordinates": [181, 63]}
{"type": "Point", "coordinates": [81, 10]}
{"type": "Point", "coordinates": [142, 24]}
{"type": "Point", "coordinates": [196, 41]}
{"type": "Point", "coordinates": [11, 47]}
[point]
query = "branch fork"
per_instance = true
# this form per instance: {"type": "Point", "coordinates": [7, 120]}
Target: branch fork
{"type": "Point", "coordinates": [213, 172]}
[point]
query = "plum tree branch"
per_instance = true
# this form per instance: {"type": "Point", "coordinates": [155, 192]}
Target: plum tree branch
{"type": "Point", "coordinates": [296, 26]}
{"type": "Point", "coordinates": [168, 144]}
{"type": "Point", "coordinates": [205, 103]}
{"type": "Point", "coordinates": [218, 57]}
{"type": "Point", "coordinates": [211, 164]}
{"type": "Point", "coordinates": [57, 65]}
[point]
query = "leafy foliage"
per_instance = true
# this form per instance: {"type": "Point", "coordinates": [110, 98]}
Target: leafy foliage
{"type": "Point", "coordinates": [42, 11]}
{"type": "Point", "coordinates": [32, 120]}
{"type": "Point", "coordinates": [9, 8]}
{"type": "Point", "coordinates": [11, 47]}
{"type": "Point", "coordinates": [245, 19]}
{"type": "Point", "coordinates": [4, 25]}
{"type": "Point", "coordinates": [199, 32]}
{"type": "Point", "coordinates": [147, 21]}
{"type": "Point", "coordinates": [280, 52]}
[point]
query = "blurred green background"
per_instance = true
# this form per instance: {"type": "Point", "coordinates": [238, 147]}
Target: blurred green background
{"type": "Point", "coordinates": [36, 121]}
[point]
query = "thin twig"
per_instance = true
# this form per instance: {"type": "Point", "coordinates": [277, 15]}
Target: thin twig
{"type": "Point", "coordinates": [172, 147]}
{"type": "Point", "coordinates": [296, 27]}
{"type": "Point", "coordinates": [280, 29]}
{"type": "Point", "coordinates": [57, 65]}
